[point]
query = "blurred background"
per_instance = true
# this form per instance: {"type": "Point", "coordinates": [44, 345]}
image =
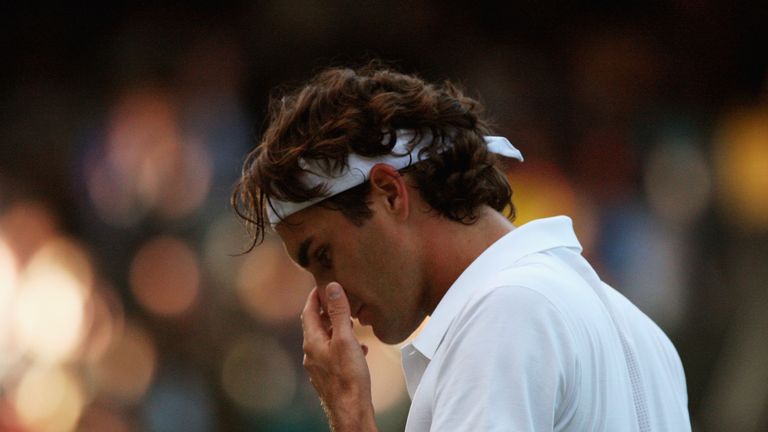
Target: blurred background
{"type": "Point", "coordinates": [124, 305]}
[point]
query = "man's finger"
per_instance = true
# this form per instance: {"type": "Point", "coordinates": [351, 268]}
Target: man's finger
{"type": "Point", "coordinates": [338, 309]}
{"type": "Point", "coordinates": [326, 322]}
{"type": "Point", "coordinates": [310, 318]}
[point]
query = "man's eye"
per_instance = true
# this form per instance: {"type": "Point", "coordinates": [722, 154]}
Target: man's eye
{"type": "Point", "coordinates": [323, 257]}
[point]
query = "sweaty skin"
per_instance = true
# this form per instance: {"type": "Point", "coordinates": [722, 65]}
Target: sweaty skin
{"type": "Point", "coordinates": [335, 361]}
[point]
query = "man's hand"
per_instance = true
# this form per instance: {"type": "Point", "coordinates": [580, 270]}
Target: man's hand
{"type": "Point", "coordinates": [335, 361]}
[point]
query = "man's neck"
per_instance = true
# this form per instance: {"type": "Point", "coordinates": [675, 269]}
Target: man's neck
{"type": "Point", "coordinates": [451, 247]}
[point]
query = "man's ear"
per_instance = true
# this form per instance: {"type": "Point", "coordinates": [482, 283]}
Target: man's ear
{"type": "Point", "coordinates": [389, 185]}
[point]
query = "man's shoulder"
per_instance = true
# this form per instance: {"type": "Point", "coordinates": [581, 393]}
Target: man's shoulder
{"type": "Point", "coordinates": [536, 286]}
{"type": "Point", "coordinates": [500, 313]}
{"type": "Point", "coordinates": [519, 296]}
{"type": "Point", "coordinates": [538, 276]}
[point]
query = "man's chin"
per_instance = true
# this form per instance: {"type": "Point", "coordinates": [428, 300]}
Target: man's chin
{"type": "Point", "coordinates": [389, 338]}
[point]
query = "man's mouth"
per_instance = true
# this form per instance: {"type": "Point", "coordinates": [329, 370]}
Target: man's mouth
{"type": "Point", "coordinates": [363, 316]}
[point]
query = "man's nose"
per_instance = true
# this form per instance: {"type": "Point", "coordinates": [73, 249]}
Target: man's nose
{"type": "Point", "coordinates": [321, 281]}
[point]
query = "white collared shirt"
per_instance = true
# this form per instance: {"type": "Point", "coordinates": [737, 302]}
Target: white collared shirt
{"type": "Point", "coordinates": [529, 339]}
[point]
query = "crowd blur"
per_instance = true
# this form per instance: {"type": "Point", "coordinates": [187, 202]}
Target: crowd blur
{"type": "Point", "coordinates": [126, 303]}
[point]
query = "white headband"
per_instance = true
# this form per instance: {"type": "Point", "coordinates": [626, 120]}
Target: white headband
{"type": "Point", "coordinates": [358, 167]}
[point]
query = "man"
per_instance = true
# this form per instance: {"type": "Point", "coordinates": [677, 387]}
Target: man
{"type": "Point", "coordinates": [384, 188]}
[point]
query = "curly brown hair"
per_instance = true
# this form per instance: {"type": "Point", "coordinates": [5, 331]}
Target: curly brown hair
{"type": "Point", "coordinates": [343, 110]}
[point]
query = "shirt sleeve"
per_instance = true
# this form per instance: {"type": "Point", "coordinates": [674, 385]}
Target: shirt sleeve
{"type": "Point", "coordinates": [509, 366]}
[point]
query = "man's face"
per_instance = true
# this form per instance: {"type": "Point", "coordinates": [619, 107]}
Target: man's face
{"type": "Point", "coordinates": [375, 263]}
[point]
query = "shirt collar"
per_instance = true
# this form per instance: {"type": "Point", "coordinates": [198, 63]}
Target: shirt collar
{"type": "Point", "coordinates": [532, 237]}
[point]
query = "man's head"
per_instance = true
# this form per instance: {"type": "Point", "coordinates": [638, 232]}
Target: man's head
{"type": "Point", "coordinates": [371, 230]}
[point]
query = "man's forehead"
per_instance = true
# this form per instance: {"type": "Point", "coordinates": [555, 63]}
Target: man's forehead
{"type": "Point", "coordinates": [295, 241]}
{"type": "Point", "coordinates": [298, 227]}
{"type": "Point", "coordinates": [294, 224]}
{"type": "Point", "coordinates": [292, 237]}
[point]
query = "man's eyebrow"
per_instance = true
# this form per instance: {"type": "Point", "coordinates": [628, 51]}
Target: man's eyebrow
{"type": "Point", "coordinates": [303, 254]}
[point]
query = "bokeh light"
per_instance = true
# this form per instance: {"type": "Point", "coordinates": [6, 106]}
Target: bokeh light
{"type": "Point", "coordinates": [126, 370]}
{"type": "Point", "coordinates": [271, 286]}
{"type": "Point", "coordinates": [165, 276]}
{"type": "Point", "coordinates": [677, 182]}
{"type": "Point", "coordinates": [27, 226]}
{"type": "Point", "coordinates": [541, 189]}
{"type": "Point", "coordinates": [222, 250]}
{"type": "Point", "coordinates": [174, 393]}
{"type": "Point", "coordinates": [105, 320]}
{"type": "Point", "coordinates": [258, 374]}
{"type": "Point", "coordinates": [49, 399]}
{"type": "Point", "coordinates": [145, 164]}
{"type": "Point", "coordinates": [66, 254]}
{"type": "Point", "coordinates": [646, 263]}
{"type": "Point", "coordinates": [741, 161]}
{"type": "Point", "coordinates": [102, 418]}
{"type": "Point", "coordinates": [51, 298]}
{"type": "Point", "coordinates": [8, 276]}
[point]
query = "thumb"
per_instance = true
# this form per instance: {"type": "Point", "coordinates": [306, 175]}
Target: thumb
{"type": "Point", "coordinates": [338, 308]}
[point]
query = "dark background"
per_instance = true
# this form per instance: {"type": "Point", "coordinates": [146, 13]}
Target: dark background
{"type": "Point", "coordinates": [123, 128]}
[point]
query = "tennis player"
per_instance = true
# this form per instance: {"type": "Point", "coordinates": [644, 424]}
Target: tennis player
{"type": "Point", "coordinates": [385, 188]}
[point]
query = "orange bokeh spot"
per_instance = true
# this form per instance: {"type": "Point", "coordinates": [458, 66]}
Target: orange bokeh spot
{"type": "Point", "coordinates": [126, 370]}
{"type": "Point", "coordinates": [741, 162]}
{"type": "Point", "coordinates": [165, 276]}
{"type": "Point", "coordinates": [271, 286]}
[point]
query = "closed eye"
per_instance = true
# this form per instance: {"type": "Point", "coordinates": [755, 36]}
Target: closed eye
{"type": "Point", "coordinates": [323, 256]}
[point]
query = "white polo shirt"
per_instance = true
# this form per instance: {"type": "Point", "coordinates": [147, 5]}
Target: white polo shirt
{"type": "Point", "coordinates": [529, 339]}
